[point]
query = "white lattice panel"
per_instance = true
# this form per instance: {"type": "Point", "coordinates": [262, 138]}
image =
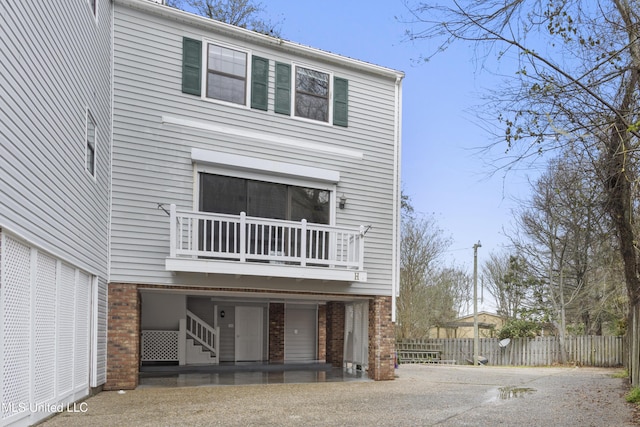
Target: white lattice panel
{"type": "Point", "coordinates": [100, 373]}
{"type": "Point", "coordinates": [16, 324]}
{"type": "Point", "coordinates": [65, 329]}
{"type": "Point", "coordinates": [44, 329]}
{"type": "Point", "coordinates": [82, 326]}
{"type": "Point", "coordinates": [159, 346]}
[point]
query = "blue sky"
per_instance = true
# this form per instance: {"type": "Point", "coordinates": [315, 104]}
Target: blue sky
{"type": "Point", "coordinates": [441, 171]}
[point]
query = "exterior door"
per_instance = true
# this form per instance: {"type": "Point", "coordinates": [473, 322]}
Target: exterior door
{"type": "Point", "coordinates": [249, 333]}
{"type": "Point", "coordinates": [300, 333]}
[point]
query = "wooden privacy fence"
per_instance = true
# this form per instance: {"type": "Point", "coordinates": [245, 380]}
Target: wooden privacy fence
{"type": "Point", "coordinates": [588, 350]}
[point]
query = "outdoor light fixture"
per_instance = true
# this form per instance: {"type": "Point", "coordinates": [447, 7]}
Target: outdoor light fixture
{"type": "Point", "coordinates": [343, 201]}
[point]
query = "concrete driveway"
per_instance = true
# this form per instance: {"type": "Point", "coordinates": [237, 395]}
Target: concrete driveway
{"type": "Point", "coordinates": [420, 396]}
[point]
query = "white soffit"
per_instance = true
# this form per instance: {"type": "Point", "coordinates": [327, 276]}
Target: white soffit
{"type": "Point", "coordinates": [260, 165]}
{"type": "Point", "coordinates": [262, 137]}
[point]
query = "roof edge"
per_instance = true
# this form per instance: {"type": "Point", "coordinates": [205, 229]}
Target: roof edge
{"type": "Point", "coordinates": [168, 12]}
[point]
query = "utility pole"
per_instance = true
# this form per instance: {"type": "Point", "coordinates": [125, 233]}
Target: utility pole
{"type": "Point", "coordinates": [476, 336]}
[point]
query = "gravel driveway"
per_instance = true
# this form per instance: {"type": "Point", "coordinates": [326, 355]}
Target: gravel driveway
{"type": "Point", "coordinates": [420, 396]}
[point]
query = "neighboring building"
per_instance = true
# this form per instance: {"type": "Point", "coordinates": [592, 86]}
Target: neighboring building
{"type": "Point", "coordinates": [489, 324]}
{"type": "Point", "coordinates": [176, 189]}
{"type": "Point", "coordinates": [55, 175]}
{"type": "Point", "coordinates": [224, 142]}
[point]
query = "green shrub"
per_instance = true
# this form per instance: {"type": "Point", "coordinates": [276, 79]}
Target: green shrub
{"type": "Point", "coordinates": [634, 395]}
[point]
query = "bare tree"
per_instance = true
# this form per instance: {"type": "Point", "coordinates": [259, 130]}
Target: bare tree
{"type": "Point", "coordinates": [241, 13]}
{"type": "Point", "coordinates": [422, 244]}
{"type": "Point", "coordinates": [578, 81]}
{"type": "Point", "coordinates": [509, 284]}
{"type": "Point", "coordinates": [449, 291]}
{"type": "Point", "coordinates": [563, 240]}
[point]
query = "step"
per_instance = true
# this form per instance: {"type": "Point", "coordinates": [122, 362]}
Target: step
{"type": "Point", "coordinates": [195, 353]}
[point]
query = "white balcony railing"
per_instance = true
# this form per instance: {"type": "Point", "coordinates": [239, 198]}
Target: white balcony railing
{"type": "Point", "coordinates": [209, 236]}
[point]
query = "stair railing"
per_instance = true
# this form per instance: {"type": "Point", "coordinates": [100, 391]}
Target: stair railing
{"type": "Point", "coordinates": [205, 335]}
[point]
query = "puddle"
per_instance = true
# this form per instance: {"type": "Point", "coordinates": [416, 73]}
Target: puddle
{"type": "Point", "coordinates": [506, 393]}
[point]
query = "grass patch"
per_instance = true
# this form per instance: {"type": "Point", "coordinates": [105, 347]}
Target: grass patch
{"type": "Point", "coordinates": [633, 396]}
{"type": "Point", "coordinates": [621, 374]}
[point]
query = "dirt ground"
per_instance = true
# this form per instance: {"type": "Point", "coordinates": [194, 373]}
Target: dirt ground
{"type": "Point", "coordinates": [422, 395]}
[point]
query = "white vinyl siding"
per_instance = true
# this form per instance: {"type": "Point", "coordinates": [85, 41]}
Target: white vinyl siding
{"type": "Point", "coordinates": [47, 196]}
{"type": "Point", "coordinates": [55, 67]}
{"type": "Point", "coordinates": [152, 159]}
{"type": "Point", "coordinates": [227, 333]}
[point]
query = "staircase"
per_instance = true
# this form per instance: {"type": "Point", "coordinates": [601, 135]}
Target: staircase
{"type": "Point", "coordinates": [197, 355]}
{"type": "Point", "coordinates": [202, 341]}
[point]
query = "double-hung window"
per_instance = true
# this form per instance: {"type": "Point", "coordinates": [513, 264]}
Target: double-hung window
{"type": "Point", "coordinates": [312, 94]}
{"type": "Point", "coordinates": [230, 74]}
{"type": "Point", "coordinates": [317, 95]}
{"type": "Point", "coordinates": [226, 74]}
{"type": "Point", "coordinates": [90, 145]}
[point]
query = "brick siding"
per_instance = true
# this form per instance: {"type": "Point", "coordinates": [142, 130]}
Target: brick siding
{"type": "Point", "coordinates": [381, 340]}
{"type": "Point", "coordinates": [322, 333]}
{"type": "Point", "coordinates": [123, 337]}
{"type": "Point", "coordinates": [276, 333]}
{"type": "Point", "coordinates": [335, 333]}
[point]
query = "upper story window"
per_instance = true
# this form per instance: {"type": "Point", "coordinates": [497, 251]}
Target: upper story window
{"type": "Point", "coordinates": [226, 74]}
{"type": "Point", "coordinates": [93, 5]}
{"type": "Point", "coordinates": [90, 145]}
{"type": "Point", "coordinates": [230, 195]}
{"type": "Point", "coordinates": [306, 92]}
{"type": "Point", "coordinates": [312, 94]}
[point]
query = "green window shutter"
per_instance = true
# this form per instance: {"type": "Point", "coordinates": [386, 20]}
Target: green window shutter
{"type": "Point", "coordinates": [340, 101]}
{"type": "Point", "coordinates": [283, 88]}
{"type": "Point", "coordinates": [191, 64]}
{"type": "Point", "coordinates": [259, 83]}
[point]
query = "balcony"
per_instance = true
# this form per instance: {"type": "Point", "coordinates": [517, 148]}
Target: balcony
{"type": "Point", "coordinates": [203, 242]}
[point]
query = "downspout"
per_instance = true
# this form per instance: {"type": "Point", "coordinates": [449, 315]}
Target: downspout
{"type": "Point", "coordinates": [111, 107]}
{"type": "Point", "coordinates": [395, 250]}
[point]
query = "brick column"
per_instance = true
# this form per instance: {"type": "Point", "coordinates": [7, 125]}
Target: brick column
{"type": "Point", "coordinates": [381, 339]}
{"type": "Point", "coordinates": [335, 333]}
{"type": "Point", "coordinates": [322, 333]}
{"type": "Point", "coordinates": [123, 337]}
{"type": "Point", "coordinates": [276, 332]}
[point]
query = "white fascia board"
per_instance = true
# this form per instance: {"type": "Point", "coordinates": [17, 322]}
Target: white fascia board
{"type": "Point", "coordinates": [264, 270]}
{"type": "Point", "coordinates": [259, 165]}
{"type": "Point", "coordinates": [262, 137]}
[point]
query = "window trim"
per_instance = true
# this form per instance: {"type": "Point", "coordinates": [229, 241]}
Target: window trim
{"type": "Point", "coordinates": [93, 7]}
{"type": "Point", "coordinates": [294, 93]}
{"type": "Point", "coordinates": [205, 72]}
{"type": "Point", "coordinates": [263, 166]}
{"type": "Point", "coordinates": [90, 119]}
{"type": "Point", "coordinates": [270, 179]}
{"type": "Point", "coordinates": [267, 175]}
